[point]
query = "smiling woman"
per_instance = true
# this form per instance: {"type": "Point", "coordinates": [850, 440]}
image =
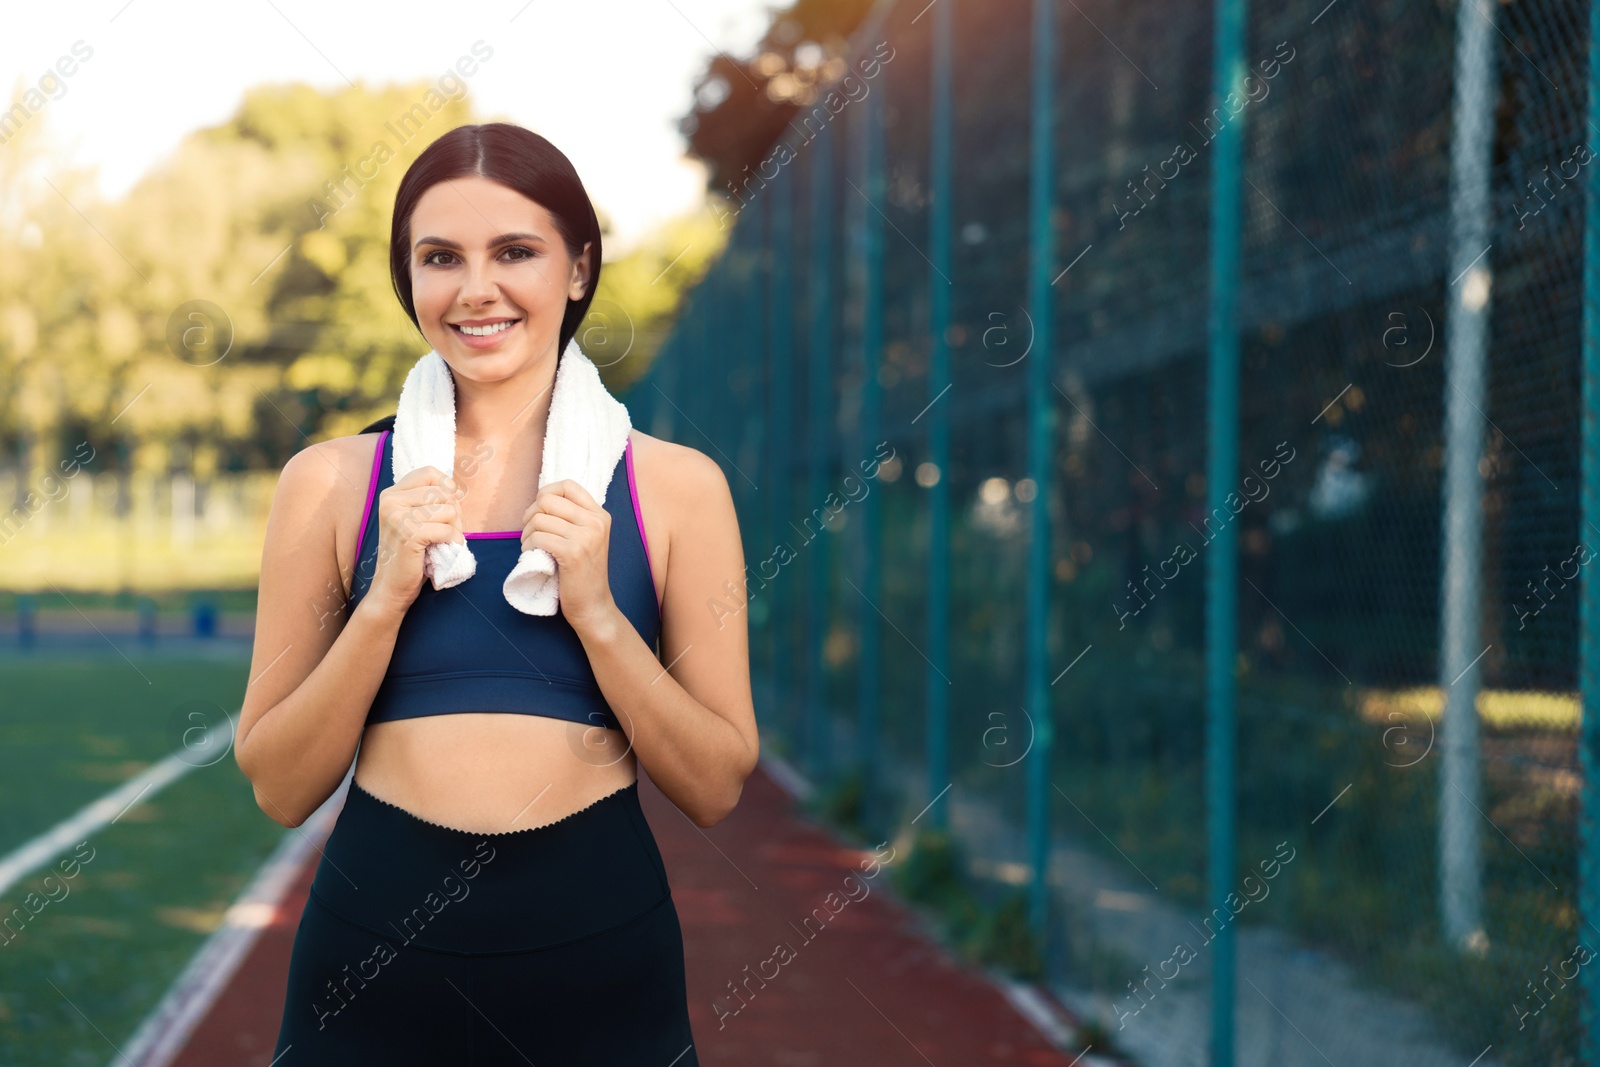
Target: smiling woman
{"type": "Point", "coordinates": [484, 733]}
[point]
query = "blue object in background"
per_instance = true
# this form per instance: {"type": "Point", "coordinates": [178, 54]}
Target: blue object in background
{"type": "Point", "coordinates": [204, 614]}
{"type": "Point", "coordinates": [147, 619]}
{"type": "Point", "coordinates": [26, 632]}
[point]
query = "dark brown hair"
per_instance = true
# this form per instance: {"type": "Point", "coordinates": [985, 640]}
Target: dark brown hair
{"type": "Point", "coordinates": [518, 159]}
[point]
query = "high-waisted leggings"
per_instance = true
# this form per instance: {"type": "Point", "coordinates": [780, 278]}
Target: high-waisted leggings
{"type": "Point", "coordinates": [557, 945]}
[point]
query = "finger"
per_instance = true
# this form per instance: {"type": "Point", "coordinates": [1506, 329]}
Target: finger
{"type": "Point", "coordinates": [553, 524]}
{"type": "Point", "coordinates": [567, 507]}
{"type": "Point", "coordinates": [554, 543]}
{"type": "Point", "coordinates": [410, 529]}
{"type": "Point", "coordinates": [425, 475]}
{"type": "Point", "coordinates": [572, 490]}
{"type": "Point", "coordinates": [426, 502]}
{"type": "Point", "coordinates": [444, 511]}
{"type": "Point", "coordinates": [429, 533]}
{"type": "Point", "coordinates": [555, 504]}
{"type": "Point", "coordinates": [426, 494]}
{"type": "Point", "coordinates": [409, 522]}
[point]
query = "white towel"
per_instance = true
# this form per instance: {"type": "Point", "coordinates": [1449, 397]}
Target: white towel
{"type": "Point", "coordinates": [584, 437]}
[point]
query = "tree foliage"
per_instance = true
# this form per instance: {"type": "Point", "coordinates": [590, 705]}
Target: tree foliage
{"type": "Point", "coordinates": [236, 304]}
{"type": "Point", "coordinates": [743, 106]}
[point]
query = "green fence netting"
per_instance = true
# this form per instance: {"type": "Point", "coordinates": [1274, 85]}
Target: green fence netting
{"type": "Point", "coordinates": [883, 565]}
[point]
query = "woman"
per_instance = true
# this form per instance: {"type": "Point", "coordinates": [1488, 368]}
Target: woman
{"type": "Point", "coordinates": [491, 892]}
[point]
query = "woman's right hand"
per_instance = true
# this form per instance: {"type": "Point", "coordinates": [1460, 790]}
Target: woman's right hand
{"type": "Point", "coordinates": [421, 509]}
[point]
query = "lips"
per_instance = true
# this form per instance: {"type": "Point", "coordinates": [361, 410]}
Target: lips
{"type": "Point", "coordinates": [486, 341]}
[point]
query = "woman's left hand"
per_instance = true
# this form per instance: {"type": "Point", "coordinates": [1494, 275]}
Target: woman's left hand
{"type": "Point", "coordinates": [566, 522]}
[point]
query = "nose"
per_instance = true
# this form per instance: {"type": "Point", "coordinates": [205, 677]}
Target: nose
{"type": "Point", "coordinates": [480, 287]}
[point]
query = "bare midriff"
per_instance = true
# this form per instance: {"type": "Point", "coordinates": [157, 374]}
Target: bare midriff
{"type": "Point", "coordinates": [492, 772]}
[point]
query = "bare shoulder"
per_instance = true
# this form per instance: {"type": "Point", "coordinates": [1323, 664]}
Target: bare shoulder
{"type": "Point", "coordinates": [682, 494]}
{"type": "Point", "coordinates": [323, 490]}
{"type": "Point", "coordinates": [331, 469]}
{"type": "Point", "coordinates": [680, 477]}
{"type": "Point", "coordinates": [343, 454]}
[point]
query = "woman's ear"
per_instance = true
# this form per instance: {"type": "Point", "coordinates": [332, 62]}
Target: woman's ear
{"type": "Point", "coordinates": [581, 273]}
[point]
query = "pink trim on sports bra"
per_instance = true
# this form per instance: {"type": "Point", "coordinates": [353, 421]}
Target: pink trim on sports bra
{"type": "Point", "coordinates": [372, 492]}
{"type": "Point", "coordinates": [638, 517]}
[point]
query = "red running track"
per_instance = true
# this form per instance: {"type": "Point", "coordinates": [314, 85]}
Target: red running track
{"type": "Point", "coordinates": [866, 988]}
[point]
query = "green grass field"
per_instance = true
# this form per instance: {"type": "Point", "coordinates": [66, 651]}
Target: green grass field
{"type": "Point", "coordinates": [90, 963]}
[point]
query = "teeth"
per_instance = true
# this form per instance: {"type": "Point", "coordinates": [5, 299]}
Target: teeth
{"type": "Point", "coordinates": [485, 331]}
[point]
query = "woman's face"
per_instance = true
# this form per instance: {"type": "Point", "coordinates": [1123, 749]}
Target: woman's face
{"type": "Point", "coordinates": [485, 256]}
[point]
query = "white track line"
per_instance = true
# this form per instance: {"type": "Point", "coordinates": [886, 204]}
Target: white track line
{"type": "Point", "coordinates": [168, 1027]}
{"type": "Point", "coordinates": [47, 846]}
{"type": "Point", "coordinates": [1027, 999]}
{"type": "Point", "coordinates": [789, 779]}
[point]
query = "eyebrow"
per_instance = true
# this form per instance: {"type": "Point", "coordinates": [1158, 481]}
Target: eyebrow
{"type": "Point", "coordinates": [504, 238]}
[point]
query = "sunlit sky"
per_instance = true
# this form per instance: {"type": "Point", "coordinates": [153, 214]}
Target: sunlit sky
{"type": "Point", "coordinates": [605, 80]}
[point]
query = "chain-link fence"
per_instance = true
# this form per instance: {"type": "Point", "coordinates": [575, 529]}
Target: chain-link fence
{"type": "Point", "coordinates": [1004, 402]}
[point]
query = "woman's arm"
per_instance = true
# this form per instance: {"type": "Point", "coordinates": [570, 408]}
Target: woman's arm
{"type": "Point", "coordinates": [314, 670]}
{"type": "Point", "coordinates": [693, 728]}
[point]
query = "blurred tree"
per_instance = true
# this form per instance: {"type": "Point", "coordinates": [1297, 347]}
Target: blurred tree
{"type": "Point", "coordinates": [236, 304]}
{"type": "Point", "coordinates": [742, 106]}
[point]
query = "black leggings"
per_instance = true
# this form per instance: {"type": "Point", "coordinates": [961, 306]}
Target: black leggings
{"type": "Point", "coordinates": [557, 945]}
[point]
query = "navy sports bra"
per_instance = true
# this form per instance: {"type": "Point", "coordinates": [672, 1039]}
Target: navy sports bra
{"type": "Point", "coordinates": [466, 649]}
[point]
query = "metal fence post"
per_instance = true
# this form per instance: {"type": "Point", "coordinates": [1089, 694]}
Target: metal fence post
{"type": "Point", "coordinates": [1466, 347]}
{"type": "Point", "coordinates": [779, 450]}
{"type": "Point", "coordinates": [1589, 606]}
{"type": "Point", "coordinates": [1222, 456]}
{"type": "Point", "coordinates": [756, 530]}
{"type": "Point", "coordinates": [820, 427]}
{"type": "Point", "coordinates": [1041, 248]}
{"type": "Point", "coordinates": [870, 694]}
{"type": "Point", "coordinates": [938, 740]}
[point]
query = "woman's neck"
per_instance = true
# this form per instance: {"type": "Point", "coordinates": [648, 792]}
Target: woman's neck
{"type": "Point", "coordinates": [512, 412]}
